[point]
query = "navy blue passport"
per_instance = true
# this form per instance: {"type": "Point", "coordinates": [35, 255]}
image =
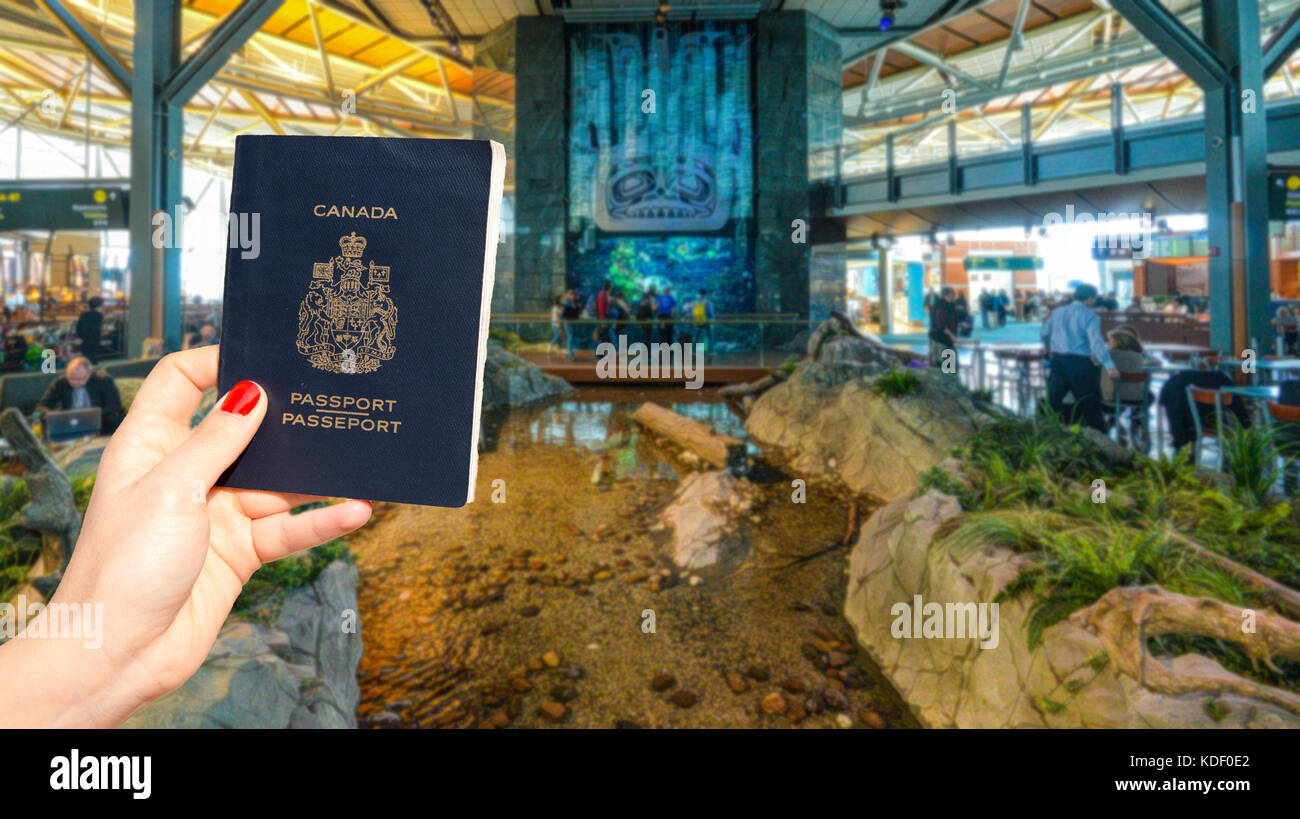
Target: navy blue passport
{"type": "Point", "coordinates": [358, 298]}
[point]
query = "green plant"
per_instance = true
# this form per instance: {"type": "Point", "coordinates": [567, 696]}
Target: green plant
{"type": "Point", "coordinates": [982, 396]}
{"type": "Point", "coordinates": [897, 383]}
{"type": "Point", "coordinates": [264, 592]}
{"type": "Point", "coordinates": [1249, 455]}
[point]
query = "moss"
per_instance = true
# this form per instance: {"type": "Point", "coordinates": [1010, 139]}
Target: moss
{"type": "Point", "coordinates": [897, 383]}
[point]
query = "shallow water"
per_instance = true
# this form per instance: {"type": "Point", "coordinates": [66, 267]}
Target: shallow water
{"type": "Point", "coordinates": [459, 606]}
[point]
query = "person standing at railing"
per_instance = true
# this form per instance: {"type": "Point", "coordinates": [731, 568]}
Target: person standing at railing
{"type": "Point", "coordinates": [570, 312]}
{"type": "Point", "coordinates": [645, 314]}
{"type": "Point", "coordinates": [1072, 336]}
{"type": "Point", "coordinates": [664, 309]}
{"type": "Point", "coordinates": [602, 312]}
{"type": "Point", "coordinates": [943, 328]}
{"type": "Point", "coordinates": [701, 311]}
{"type": "Point", "coordinates": [557, 327]}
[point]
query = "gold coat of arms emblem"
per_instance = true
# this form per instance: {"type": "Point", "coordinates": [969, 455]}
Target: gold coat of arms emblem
{"type": "Point", "coordinates": [343, 326]}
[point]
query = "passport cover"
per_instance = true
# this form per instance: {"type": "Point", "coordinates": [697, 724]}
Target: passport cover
{"type": "Point", "coordinates": [362, 310]}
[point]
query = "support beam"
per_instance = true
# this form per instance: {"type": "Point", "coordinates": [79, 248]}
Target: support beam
{"type": "Point", "coordinates": [157, 134]}
{"type": "Point", "coordinates": [1175, 41]}
{"type": "Point", "coordinates": [225, 40]}
{"type": "Point", "coordinates": [1282, 44]}
{"type": "Point", "coordinates": [1013, 41]}
{"type": "Point", "coordinates": [933, 60]}
{"type": "Point", "coordinates": [1236, 178]}
{"type": "Point", "coordinates": [95, 47]}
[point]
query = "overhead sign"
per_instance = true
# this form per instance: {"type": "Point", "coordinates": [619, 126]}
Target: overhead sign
{"type": "Point", "coordinates": [1003, 263]}
{"type": "Point", "coordinates": [62, 206]}
{"type": "Point", "coordinates": [1284, 195]}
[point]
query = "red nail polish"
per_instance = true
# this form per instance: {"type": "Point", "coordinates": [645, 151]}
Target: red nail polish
{"type": "Point", "coordinates": [241, 399]}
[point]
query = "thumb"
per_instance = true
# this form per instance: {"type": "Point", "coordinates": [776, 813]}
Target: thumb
{"type": "Point", "coordinates": [216, 442]}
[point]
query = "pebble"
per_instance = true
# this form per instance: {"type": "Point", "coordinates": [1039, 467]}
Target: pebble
{"type": "Point", "coordinates": [835, 699]}
{"type": "Point", "coordinates": [551, 659]}
{"type": "Point", "coordinates": [696, 580]}
{"type": "Point", "coordinates": [774, 704]}
{"type": "Point", "coordinates": [843, 721]}
{"type": "Point", "coordinates": [554, 711]}
{"type": "Point", "coordinates": [758, 673]}
{"type": "Point", "coordinates": [535, 664]}
{"type": "Point", "coordinates": [872, 719]}
{"type": "Point", "coordinates": [684, 699]}
{"type": "Point", "coordinates": [810, 652]}
{"type": "Point", "coordinates": [737, 683]}
{"type": "Point", "coordinates": [564, 693]}
{"type": "Point", "coordinates": [662, 682]}
{"type": "Point", "coordinates": [793, 686]}
{"type": "Point", "coordinates": [796, 713]}
{"type": "Point", "coordinates": [838, 658]}
{"type": "Point", "coordinates": [530, 611]}
{"type": "Point", "coordinates": [521, 684]}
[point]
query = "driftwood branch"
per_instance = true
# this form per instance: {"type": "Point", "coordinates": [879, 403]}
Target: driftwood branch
{"type": "Point", "coordinates": [753, 387]}
{"type": "Point", "coordinates": [1284, 599]}
{"type": "Point", "coordinates": [1126, 617]}
{"type": "Point", "coordinates": [686, 433]}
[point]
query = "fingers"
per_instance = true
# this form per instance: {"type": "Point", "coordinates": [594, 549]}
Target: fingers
{"type": "Point", "coordinates": [283, 534]}
{"type": "Point", "coordinates": [257, 504]}
{"type": "Point", "coordinates": [173, 388]}
{"type": "Point", "coordinates": [217, 442]}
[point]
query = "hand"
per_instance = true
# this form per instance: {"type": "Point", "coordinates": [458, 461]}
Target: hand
{"type": "Point", "coordinates": [163, 551]}
{"type": "Point", "coordinates": [1113, 373]}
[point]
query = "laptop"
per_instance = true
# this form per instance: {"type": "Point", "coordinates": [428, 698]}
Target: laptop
{"type": "Point", "coordinates": [64, 425]}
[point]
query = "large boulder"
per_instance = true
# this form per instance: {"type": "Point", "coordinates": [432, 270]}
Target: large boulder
{"type": "Point", "coordinates": [510, 381]}
{"type": "Point", "coordinates": [1068, 680]}
{"type": "Point", "coordinates": [828, 421]}
{"type": "Point", "coordinates": [706, 519]}
{"type": "Point", "coordinates": [300, 672]}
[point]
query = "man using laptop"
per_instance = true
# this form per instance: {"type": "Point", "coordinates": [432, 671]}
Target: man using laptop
{"type": "Point", "coordinates": [82, 387]}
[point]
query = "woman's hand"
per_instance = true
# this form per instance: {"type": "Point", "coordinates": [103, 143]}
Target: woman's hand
{"type": "Point", "coordinates": [163, 551]}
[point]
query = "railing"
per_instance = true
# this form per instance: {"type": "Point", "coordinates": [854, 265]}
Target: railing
{"type": "Point", "coordinates": [756, 338]}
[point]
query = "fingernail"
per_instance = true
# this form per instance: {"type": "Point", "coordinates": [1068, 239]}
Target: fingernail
{"type": "Point", "coordinates": [367, 503]}
{"type": "Point", "coordinates": [241, 399]}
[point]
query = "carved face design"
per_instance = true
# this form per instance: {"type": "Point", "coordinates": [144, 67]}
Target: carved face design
{"type": "Point", "coordinates": [643, 195]}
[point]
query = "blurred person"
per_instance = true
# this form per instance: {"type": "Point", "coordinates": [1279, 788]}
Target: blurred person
{"type": "Point", "coordinates": [570, 312]}
{"type": "Point", "coordinates": [82, 386]}
{"type": "Point", "coordinates": [664, 310]}
{"type": "Point", "coordinates": [944, 327]}
{"type": "Point", "coordinates": [557, 327]}
{"type": "Point", "coordinates": [90, 329]}
{"type": "Point", "coordinates": [1072, 336]}
{"type": "Point", "coordinates": [701, 311]}
{"type": "Point", "coordinates": [1287, 324]}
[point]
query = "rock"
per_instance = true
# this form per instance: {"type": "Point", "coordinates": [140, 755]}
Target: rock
{"type": "Point", "coordinates": [758, 673]}
{"type": "Point", "coordinates": [662, 682]}
{"type": "Point", "coordinates": [1065, 681]}
{"type": "Point", "coordinates": [827, 421]}
{"type": "Point", "coordinates": [871, 719]}
{"type": "Point", "coordinates": [793, 686]}
{"type": "Point", "coordinates": [551, 659]}
{"type": "Point", "coordinates": [510, 381]}
{"type": "Point", "coordinates": [835, 699]}
{"type": "Point", "coordinates": [843, 721]}
{"type": "Point", "coordinates": [737, 683]}
{"type": "Point", "coordinates": [774, 704]}
{"type": "Point", "coordinates": [530, 611]}
{"type": "Point", "coordinates": [554, 711]}
{"type": "Point", "coordinates": [300, 672]}
{"type": "Point", "coordinates": [684, 699]}
{"type": "Point", "coordinates": [702, 517]}
{"type": "Point", "coordinates": [564, 693]}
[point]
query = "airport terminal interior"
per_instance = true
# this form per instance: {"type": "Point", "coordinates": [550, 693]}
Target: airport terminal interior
{"type": "Point", "coordinates": [851, 364]}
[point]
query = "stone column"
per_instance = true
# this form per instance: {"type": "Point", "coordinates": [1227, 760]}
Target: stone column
{"type": "Point", "coordinates": [798, 121]}
{"type": "Point", "coordinates": [531, 259]}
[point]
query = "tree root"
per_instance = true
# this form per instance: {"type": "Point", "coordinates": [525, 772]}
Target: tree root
{"type": "Point", "coordinates": [1126, 617]}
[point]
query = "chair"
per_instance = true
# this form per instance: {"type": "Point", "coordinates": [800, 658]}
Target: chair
{"type": "Point", "coordinates": [1141, 408]}
{"type": "Point", "coordinates": [1284, 420]}
{"type": "Point", "coordinates": [1197, 398]}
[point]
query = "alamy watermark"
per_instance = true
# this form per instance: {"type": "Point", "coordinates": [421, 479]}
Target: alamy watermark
{"type": "Point", "coordinates": [951, 621]}
{"type": "Point", "coordinates": [675, 361]}
{"type": "Point", "coordinates": [1126, 231]}
{"type": "Point", "coordinates": [65, 621]}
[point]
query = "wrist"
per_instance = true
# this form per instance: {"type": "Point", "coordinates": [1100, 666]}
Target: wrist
{"type": "Point", "coordinates": [58, 674]}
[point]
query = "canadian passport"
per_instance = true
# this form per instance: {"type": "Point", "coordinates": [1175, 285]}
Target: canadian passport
{"type": "Point", "coordinates": [361, 307]}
